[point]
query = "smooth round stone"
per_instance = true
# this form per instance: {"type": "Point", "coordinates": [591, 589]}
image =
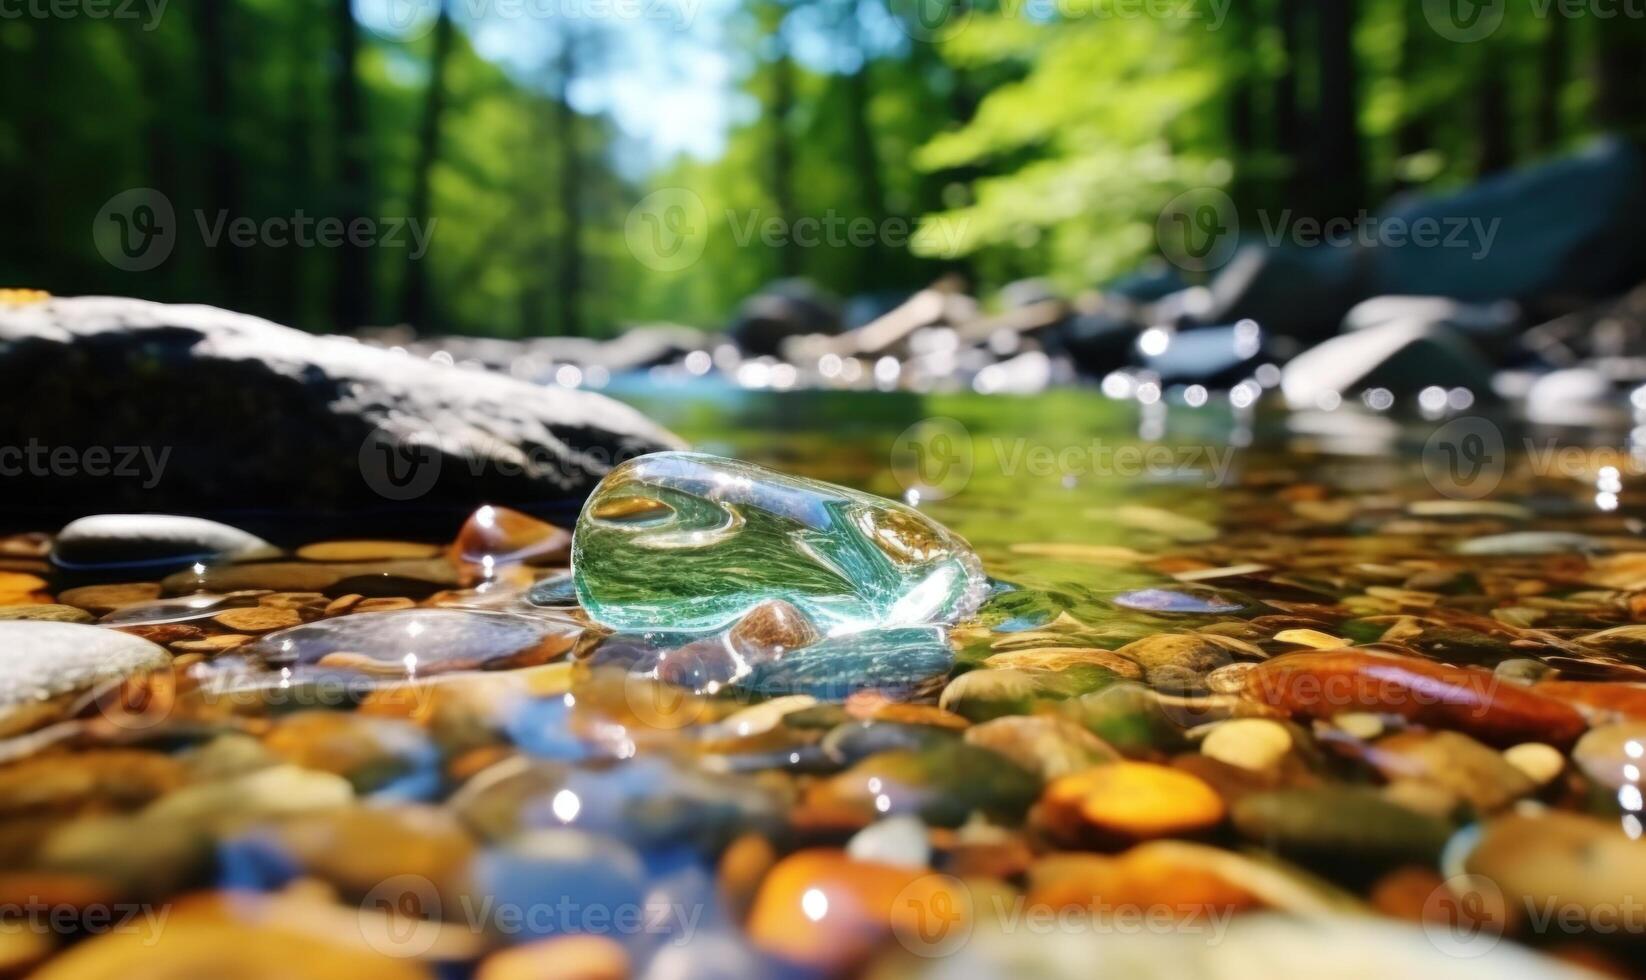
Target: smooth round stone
{"type": "Point", "coordinates": [943, 784]}
{"type": "Point", "coordinates": [415, 642]}
{"type": "Point", "coordinates": [495, 537]}
{"type": "Point", "coordinates": [275, 791]}
{"type": "Point", "coordinates": [1250, 743]}
{"type": "Point", "coordinates": [182, 609]}
{"type": "Point", "coordinates": [566, 872]}
{"type": "Point", "coordinates": [416, 578]}
{"type": "Point", "coordinates": [1541, 763]}
{"type": "Point", "coordinates": [45, 613]}
{"type": "Point", "coordinates": [1045, 745]}
{"type": "Point", "coordinates": [355, 849]}
{"type": "Point", "coordinates": [1339, 821]}
{"type": "Point", "coordinates": [136, 542]}
{"type": "Point", "coordinates": [205, 938]}
{"type": "Point", "coordinates": [898, 841]}
{"type": "Point", "coordinates": [1563, 861]}
{"type": "Point", "coordinates": [560, 958]}
{"type": "Point", "coordinates": [899, 662]}
{"type": "Point", "coordinates": [1200, 602]}
{"type": "Point", "coordinates": [691, 542]}
{"type": "Point", "coordinates": [371, 753]}
{"type": "Point", "coordinates": [41, 661]}
{"type": "Point", "coordinates": [554, 592]}
{"type": "Point", "coordinates": [1454, 762]}
{"type": "Point", "coordinates": [1177, 662]}
{"type": "Point", "coordinates": [1613, 755]}
{"type": "Point", "coordinates": [1132, 801]}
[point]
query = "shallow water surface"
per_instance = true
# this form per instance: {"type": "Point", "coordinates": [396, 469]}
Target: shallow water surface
{"type": "Point", "coordinates": [1233, 674]}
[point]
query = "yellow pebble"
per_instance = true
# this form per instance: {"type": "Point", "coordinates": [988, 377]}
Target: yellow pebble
{"type": "Point", "coordinates": [1250, 743]}
{"type": "Point", "coordinates": [1542, 763]}
{"type": "Point", "coordinates": [1312, 638]}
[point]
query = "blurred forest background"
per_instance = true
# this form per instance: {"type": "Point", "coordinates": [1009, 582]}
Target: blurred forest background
{"type": "Point", "coordinates": [1047, 135]}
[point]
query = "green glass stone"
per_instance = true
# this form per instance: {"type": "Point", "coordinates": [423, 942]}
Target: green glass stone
{"type": "Point", "coordinates": [688, 541]}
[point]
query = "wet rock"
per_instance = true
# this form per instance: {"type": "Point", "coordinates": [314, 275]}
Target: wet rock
{"type": "Point", "coordinates": [415, 578]}
{"type": "Point", "coordinates": [1218, 357]}
{"type": "Point", "coordinates": [45, 613]}
{"type": "Point", "coordinates": [1399, 357]}
{"type": "Point", "coordinates": [496, 537]}
{"type": "Point", "coordinates": [826, 911]}
{"type": "Point", "coordinates": [1455, 762]}
{"type": "Point", "coordinates": [267, 416]}
{"type": "Point", "coordinates": [1540, 763]}
{"type": "Point", "coordinates": [103, 599]}
{"type": "Point", "coordinates": [583, 880]}
{"type": "Point", "coordinates": [1257, 744]}
{"type": "Point", "coordinates": [787, 308]}
{"type": "Point", "coordinates": [40, 662]}
{"type": "Point", "coordinates": [1613, 755]}
{"type": "Point", "coordinates": [1465, 699]}
{"type": "Point", "coordinates": [1189, 601]}
{"type": "Point", "coordinates": [1178, 662]}
{"type": "Point", "coordinates": [1045, 745]}
{"type": "Point", "coordinates": [1588, 870]}
{"type": "Point", "coordinates": [1189, 880]}
{"type": "Point", "coordinates": [1488, 320]}
{"type": "Point", "coordinates": [943, 785]}
{"type": "Point", "coordinates": [897, 841]}
{"type": "Point", "coordinates": [356, 849]}
{"type": "Point", "coordinates": [1125, 802]}
{"type": "Point", "coordinates": [373, 754]}
{"type": "Point", "coordinates": [1340, 822]}
{"type": "Point", "coordinates": [694, 542]}
{"type": "Point", "coordinates": [414, 643]}
{"type": "Point", "coordinates": [561, 958]}
{"type": "Point", "coordinates": [148, 545]}
{"type": "Point", "coordinates": [1529, 543]}
{"type": "Point", "coordinates": [276, 790]}
{"type": "Point", "coordinates": [1293, 292]}
{"type": "Point", "coordinates": [94, 780]}
{"type": "Point", "coordinates": [900, 663]}
{"type": "Point", "coordinates": [772, 629]}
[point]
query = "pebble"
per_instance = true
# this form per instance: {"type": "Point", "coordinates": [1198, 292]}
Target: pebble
{"type": "Point", "coordinates": [1541, 763]}
{"type": "Point", "coordinates": [404, 577]}
{"type": "Point", "coordinates": [1046, 745]}
{"type": "Point", "coordinates": [1339, 822]}
{"type": "Point", "coordinates": [1466, 699]}
{"type": "Point", "coordinates": [900, 662]}
{"type": "Point", "coordinates": [355, 849]}
{"type": "Point", "coordinates": [1125, 802]}
{"type": "Point", "coordinates": [1586, 869]}
{"type": "Point", "coordinates": [43, 661]}
{"type": "Point", "coordinates": [371, 753]}
{"type": "Point", "coordinates": [149, 542]}
{"type": "Point", "coordinates": [276, 790]}
{"type": "Point", "coordinates": [560, 958]}
{"type": "Point", "coordinates": [258, 619]}
{"type": "Point", "coordinates": [899, 841]}
{"type": "Point", "coordinates": [1613, 756]}
{"type": "Point", "coordinates": [46, 612]}
{"type": "Point", "coordinates": [496, 537]}
{"type": "Point", "coordinates": [821, 909]}
{"type": "Point", "coordinates": [771, 629]}
{"type": "Point", "coordinates": [419, 642]}
{"type": "Point", "coordinates": [103, 599]}
{"type": "Point", "coordinates": [559, 869]}
{"type": "Point", "coordinates": [1178, 662]}
{"type": "Point", "coordinates": [1200, 602]}
{"type": "Point", "coordinates": [1257, 744]}
{"type": "Point", "coordinates": [1311, 638]}
{"type": "Point", "coordinates": [360, 550]}
{"type": "Point", "coordinates": [1454, 762]}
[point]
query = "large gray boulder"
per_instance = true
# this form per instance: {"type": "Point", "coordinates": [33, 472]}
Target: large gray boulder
{"type": "Point", "coordinates": [120, 404]}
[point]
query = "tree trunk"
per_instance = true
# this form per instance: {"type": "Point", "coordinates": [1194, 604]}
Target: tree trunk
{"type": "Point", "coordinates": [414, 287]}
{"type": "Point", "coordinates": [214, 45]}
{"type": "Point", "coordinates": [782, 150]}
{"type": "Point", "coordinates": [872, 267]}
{"type": "Point", "coordinates": [1340, 177]}
{"type": "Point", "coordinates": [352, 287]}
{"type": "Point", "coordinates": [1288, 115]}
{"type": "Point", "coordinates": [1620, 63]}
{"type": "Point", "coordinates": [570, 272]}
{"type": "Point", "coordinates": [1553, 67]}
{"type": "Point", "coordinates": [1496, 151]}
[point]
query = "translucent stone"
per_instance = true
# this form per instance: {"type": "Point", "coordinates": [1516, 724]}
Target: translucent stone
{"type": "Point", "coordinates": [415, 642]}
{"type": "Point", "coordinates": [497, 536]}
{"type": "Point", "coordinates": [691, 542]}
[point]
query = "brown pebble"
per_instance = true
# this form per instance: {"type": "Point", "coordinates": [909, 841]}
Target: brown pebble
{"type": "Point", "coordinates": [258, 619]}
{"type": "Point", "coordinates": [102, 599]}
{"type": "Point", "coordinates": [366, 550]}
{"type": "Point", "coordinates": [212, 644]}
{"type": "Point", "coordinates": [343, 604]}
{"type": "Point", "coordinates": [165, 633]}
{"type": "Point", "coordinates": [384, 605]}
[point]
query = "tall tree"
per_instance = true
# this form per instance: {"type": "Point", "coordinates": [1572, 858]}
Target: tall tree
{"type": "Point", "coordinates": [1495, 150]}
{"type": "Point", "coordinates": [569, 269]}
{"type": "Point", "coordinates": [214, 47]}
{"type": "Point", "coordinates": [414, 286]}
{"type": "Point", "coordinates": [1340, 173]}
{"type": "Point", "coordinates": [1553, 69]}
{"type": "Point", "coordinates": [779, 116]}
{"type": "Point", "coordinates": [1289, 136]}
{"type": "Point", "coordinates": [352, 285]}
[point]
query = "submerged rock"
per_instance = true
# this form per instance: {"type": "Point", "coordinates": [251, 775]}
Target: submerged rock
{"type": "Point", "coordinates": [898, 662]}
{"type": "Point", "coordinates": [691, 542]}
{"type": "Point", "coordinates": [260, 415]}
{"type": "Point", "coordinates": [415, 642]}
{"type": "Point", "coordinates": [148, 543]}
{"type": "Point", "coordinates": [40, 661]}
